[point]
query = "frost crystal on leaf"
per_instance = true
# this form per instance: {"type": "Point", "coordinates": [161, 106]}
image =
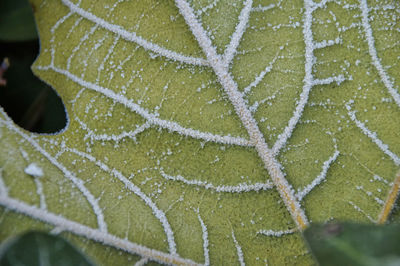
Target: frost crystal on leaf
{"type": "Point", "coordinates": [34, 170]}
{"type": "Point", "coordinates": [207, 132]}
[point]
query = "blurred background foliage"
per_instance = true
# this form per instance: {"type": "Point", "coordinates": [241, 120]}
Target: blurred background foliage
{"type": "Point", "coordinates": [31, 103]}
{"type": "Point", "coordinates": [41, 249]}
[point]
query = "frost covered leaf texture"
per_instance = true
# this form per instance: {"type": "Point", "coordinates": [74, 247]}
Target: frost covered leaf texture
{"type": "Point", "coordinates": [208, 132]}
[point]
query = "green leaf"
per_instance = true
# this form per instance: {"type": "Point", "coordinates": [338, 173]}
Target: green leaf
{"type": "Point", "coordinates": [16, 21]}
{"type": "Point", "coordinates": [208, 132]}
{"type": "Point", "coordinates": [354, 244]}
{"type": "Point", "coordinates": [38, 248]}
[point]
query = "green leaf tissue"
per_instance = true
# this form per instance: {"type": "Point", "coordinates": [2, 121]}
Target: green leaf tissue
{"type": "Point", "coordinates": [210, 131]}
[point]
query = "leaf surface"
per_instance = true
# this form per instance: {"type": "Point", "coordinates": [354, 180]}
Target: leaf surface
{"type": "Point", "coordinates": [208, 131]}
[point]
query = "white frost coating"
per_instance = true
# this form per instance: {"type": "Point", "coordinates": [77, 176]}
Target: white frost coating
{"type": "Point", "coordinates": [338, 79]}
{"type": "Point", "coordinates": [213, 4]}
{"type": "Point", "coordinates": [372, 135]}
{"type": "Point", "coordinates": [34, 170]}
{"type": "Point", "coordinates": [159, 214]}
{"type": "Point", "coordinates": [381, 179]}
{"type": "Point", "coordinates": [3, 187]}
{"type": "Point", "coordinates": [320, 4]}
{"type": "Point", "coordinates": [262, 74]}
{"type": "Point", "coordinates": [78, 47]}
{"type": "Point", "coordinates": [39, 191]}
{"type": "Point", "coordinates": [90, 233]}
{"type": "Point", "coordinates": [239, 251]}
{"type": "Point", "coordinates": [205, 239]}
{"type": "Point", "coordinates": [308, 80]}
{"type": "Point", "coordinates": [235, 97]}
{"type": "Point", "coordinates": [321, 177]}
{"type": "Point", "coordinates": [276, 233]}
{"type": "Point", "coordinates": [373, 53]}
{"type": "Point", "coordinates": [60, 21]}
{"type": "Point", "coordinates": [77, 182]}
{"type": "Point", "coordinates": [56, 230]}
{"type": "Point", "coordinates": [243, 187]}
{"type": "Point", "coordinates": [262, 8]}
{"type": "Point", "coordinates": [53, 29]}
{"type": "Point", "coordinates": [151, 118]}
{"type": "Point", "coordinates": [105, 137]}
{"type": "Point", "coordinates": [142, 262]}
{"type": "Point", "coordinates": [131, 36]}
{"type": "Point", "coordinates": [237, 35]}
{"type": "Point", "coordinates": [24, 154]}
{"type": "Point", "coordinates": [370, 194]}
{"type": "Point", "coordinates": [362, 211]}
{"type": "Point", "coordinates": [109, 52]}
{"type": "Point", "coordinates": [325, 43]}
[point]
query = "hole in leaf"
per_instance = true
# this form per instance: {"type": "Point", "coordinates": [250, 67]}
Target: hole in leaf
{"type": "Point", "coordinates": [31, 103]}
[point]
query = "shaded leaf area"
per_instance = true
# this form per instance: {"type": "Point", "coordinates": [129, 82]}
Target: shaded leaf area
{"type": "Point", "coordinates": [39, 248]}
{"type": "Point", "coordinates": [354, 244]}
{"type": "Point", "coordinates": [16, 21]}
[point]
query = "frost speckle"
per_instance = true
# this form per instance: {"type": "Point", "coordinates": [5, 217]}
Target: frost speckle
{"type": "Point", "coordinates": [34, 170]}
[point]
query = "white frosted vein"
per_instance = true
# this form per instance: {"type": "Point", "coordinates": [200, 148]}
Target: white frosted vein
{"type": "Point", "coordinates": [205, 239]}
{"type": "Point", "coordinates": [60, 21]}
{"type": "Point", "coordinates": [239, 251]}
{"type": "Point", "coordinates": [276, 233]}
{"type": "Point", "coordinates": [151, 118]}
{"type": "Point", "coordinates": [159, 214]}
{"type": "Point", "coordinates": [106, 137]}
{"type": "Point", "coordinates": [321, 177]}
{"type": "Point", "coordinates": [242, 187]}
{"type": "Point", "coordinates": [109, 53]}
{"type": "Point", "coordinates": [131, 36]}
{"type": "Point", "coordinates": [362, 211]}
{"type": "Point", "coordinates": [373, 136]}
{"type": "Point", "coordinates": [308, 79]}
{"type": "Point", "coordinates": [68, 174]}
{"type": "Point", "coordinates": [325, 43]}
{"type": "Point", "coordinates": [142, 262]}
{"type": "Point", "coordinates": [262, 74]}
{"type": "Point", "coordinates": [39, 191]}
{"type": "Point", "coordinates": [201, 11]}
{"type": "Point", "coordinates": [78, 47]}
{"type": "Point", "coordinates": [373, 53]}
{"type": "Point", "coordinates": [34, 170]}
{"type": "Point", "coordinates": [53, 29]}
{"type": "Point", "coordinates": [321, 4]}
{"type": "Point", "coordinates": [90, 233]}
{"type": "Point", "coordinates": [3, 187]}
{"type": "Point", "coordinates": [262, 8]}
{"type": "Point", "coordinates": [238, 33]}
{"type": "Point", "coordinates": [56, 230]}
{"type": "Point", "coordinates": [338, 79]}
{"type": "Point", "coordinates": [236, 98]}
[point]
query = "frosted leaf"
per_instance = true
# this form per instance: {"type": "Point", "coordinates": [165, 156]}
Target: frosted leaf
{"type": "Point", "coordinates": [207, 132]}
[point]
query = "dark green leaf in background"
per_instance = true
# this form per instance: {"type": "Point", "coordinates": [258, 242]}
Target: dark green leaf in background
{"type": "Point", "coordinates": [30, 102]}
{"type": "Point", "coordinates": [38, 248]}
{"type": "Point", "coordinates": [16, 21]}
{"type": "Point", "coordinates": [355, 244]}
{"type": "Point", "coordinates": [26, 98]}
